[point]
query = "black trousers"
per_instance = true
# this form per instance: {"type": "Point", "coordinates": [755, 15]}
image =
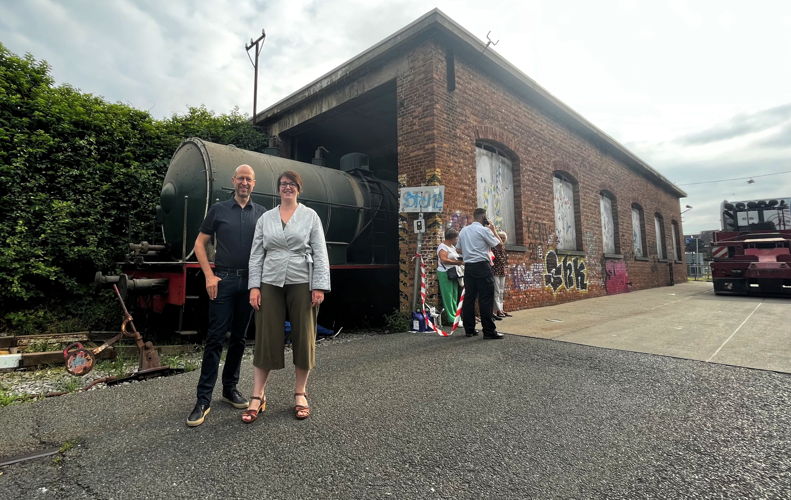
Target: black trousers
{"type": "Point", "coordinates": [231, 310]}
{"type": "Point", "coordinates": [479, 285]}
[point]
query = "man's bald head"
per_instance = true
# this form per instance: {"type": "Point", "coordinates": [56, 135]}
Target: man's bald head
{"type": "Point", "coordinates": [245, 170]}
{"type": "Point", "coordinates": [243, 183]}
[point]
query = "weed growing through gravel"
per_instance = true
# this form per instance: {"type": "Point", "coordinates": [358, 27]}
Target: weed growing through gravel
{"type": "Point", "coordinates": [117, 367]}
{"type": "Point", "coordinates": [187, 363]}
{"type": "Point", "coordinates": [65, 447]}
{"type": "Point", "coordinates": [25, 385]}
{"type": "Point", "coordinates": [6, 398]}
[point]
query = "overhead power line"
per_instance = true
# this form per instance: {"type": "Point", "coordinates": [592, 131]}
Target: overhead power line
{"type": "Point", "coordinates": [735, 178]}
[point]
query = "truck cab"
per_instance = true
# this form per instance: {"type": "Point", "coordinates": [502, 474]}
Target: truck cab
{"type": "Point", "coordinates": [753, 251]}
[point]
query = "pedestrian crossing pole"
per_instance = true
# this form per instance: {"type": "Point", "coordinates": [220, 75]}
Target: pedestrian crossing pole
{"type": "Point", "coordinates": [420, 228]}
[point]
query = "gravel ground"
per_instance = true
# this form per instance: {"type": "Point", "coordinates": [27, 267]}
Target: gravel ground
{"type": "Point", "coordinates": [418, 416]}
{"type": "Point", "coordinates": [55, 379]}
{"type": "Point", "coordinates": [35, 383]}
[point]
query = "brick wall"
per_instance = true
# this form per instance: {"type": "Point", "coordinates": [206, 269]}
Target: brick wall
{"type": "Point", "coordinates": [437, 133]}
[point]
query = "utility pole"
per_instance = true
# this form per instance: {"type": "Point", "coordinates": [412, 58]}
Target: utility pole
{"type": "Point", "coordinates": [258, 44]}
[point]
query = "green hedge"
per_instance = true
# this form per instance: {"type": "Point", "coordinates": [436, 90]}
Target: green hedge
{"type": "Point", "coordinates": [79, 179]}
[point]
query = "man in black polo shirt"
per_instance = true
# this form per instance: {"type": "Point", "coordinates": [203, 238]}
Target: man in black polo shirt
{"type": "Point", "coordinates": [232, 224]}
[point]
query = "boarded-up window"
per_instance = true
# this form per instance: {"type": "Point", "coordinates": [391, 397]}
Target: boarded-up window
{"type": "Point", "coordinates": [637, 231]}
{"type": "Point", "coordinates": [676, 240]}
{"type": "Point", "coordinates": [661, 247]}
{"type": "Point", "coordinates": [495, 184]}
{"type": "Point", "coordinates": [607, 224]}
{"type": "Point", "coordinates": [565, 223]}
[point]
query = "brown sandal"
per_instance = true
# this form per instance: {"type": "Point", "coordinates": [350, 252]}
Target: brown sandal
{"type": "Point", "coordinates": [249, 416]}
{"type": "Point", "coordinates": [301, 412]}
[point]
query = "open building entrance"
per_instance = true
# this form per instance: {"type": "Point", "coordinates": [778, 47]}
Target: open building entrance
{"type": "Point", "coordinates": [366, 289]}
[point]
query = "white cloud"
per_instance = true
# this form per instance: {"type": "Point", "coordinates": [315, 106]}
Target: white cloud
{"type": "Point", "coordinates": [646, 73]}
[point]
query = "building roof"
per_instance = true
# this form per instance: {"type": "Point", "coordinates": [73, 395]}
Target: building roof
{"type": "Point", "coordinates": [437, 25]}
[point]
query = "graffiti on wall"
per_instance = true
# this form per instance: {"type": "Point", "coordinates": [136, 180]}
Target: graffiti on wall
{"type": "Point", "coordinates": [607, 224]}
{"type": "Point", "coordinates": [537, 231]}
{"type": "Point", "coordinates": [526, 277]}
{"type": "Point", "coordinates": [535, 252]}
{"type": "Point", "coordinates": [637, 234]}
{"type": "Point", "coordinates": [565, 223]}
{"type": "Point", "coordinates": [539, 236]}
{"type": "Point", "coordinates": [458, 220]}
{"type": "Point", "coordinates": [421, 199]}
{"type": "Point", "coordinates": [565, 272]}
{"type": "Point", "coordinates": [495, 187]}
{"type": "Point", "coordinates": [592, 246]}
{"type": "Point", "coordinates": [617, 278]}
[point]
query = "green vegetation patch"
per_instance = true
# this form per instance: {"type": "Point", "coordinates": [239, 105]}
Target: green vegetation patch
{"type": "Point", "coordinates": [80, 179]}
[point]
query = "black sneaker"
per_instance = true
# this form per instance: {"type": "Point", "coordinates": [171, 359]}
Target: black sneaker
{"type": "Point", "coordinates": [472, 333]}
{"type": "Point", "coordinates": [198, 414]}
{"type": "Point", "coordinates": [235, 398]}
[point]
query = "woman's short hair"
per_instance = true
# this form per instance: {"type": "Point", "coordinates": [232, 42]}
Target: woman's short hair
{"type": "Point", "coordinates": [503, 235]}
{"type": "Point", "coordinates": [450, 234]}
{"type": "Point", "coordinates": [293, 177]}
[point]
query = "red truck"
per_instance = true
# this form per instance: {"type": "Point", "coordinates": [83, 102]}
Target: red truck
{"type": "Point", "coordinates": [752, 253]}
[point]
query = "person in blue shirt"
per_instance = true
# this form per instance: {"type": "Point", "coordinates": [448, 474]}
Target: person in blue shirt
{"type": "Point", "coordinates": [476, 242]}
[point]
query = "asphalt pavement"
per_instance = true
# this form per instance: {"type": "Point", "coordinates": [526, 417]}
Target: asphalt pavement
{"type": "Point", "coordinates": [686, 321]}
{"type": "Point", "coordinates": [419, 416]}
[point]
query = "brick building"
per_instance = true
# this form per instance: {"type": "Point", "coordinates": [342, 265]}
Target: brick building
{"type": "Point", "coordinates": [432, 105]}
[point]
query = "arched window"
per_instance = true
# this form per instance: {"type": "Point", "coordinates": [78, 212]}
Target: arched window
{"type": "Point", "coordinates": [495, 186]}
{"type": "Point", "coordinates": [638, 231]}
{"type": "Point", "coordinates": [609, 223]}
{"type": "Point", "coordinates": [676, 241]}
{"type": "Point", "coordinates": [661, 245]}
{"type": "Point", "coordinates": [566, 211]}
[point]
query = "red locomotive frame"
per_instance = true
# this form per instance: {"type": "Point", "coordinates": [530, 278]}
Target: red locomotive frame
{"type": "Point", "coordinates": [752, 254]}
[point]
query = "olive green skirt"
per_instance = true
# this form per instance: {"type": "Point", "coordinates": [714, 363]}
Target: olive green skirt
{"type": "Point", "coordinates": [277, 304]}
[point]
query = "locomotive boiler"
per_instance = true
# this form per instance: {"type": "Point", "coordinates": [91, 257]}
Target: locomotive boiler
{"type": "Point", "coordinates": [359, 212]}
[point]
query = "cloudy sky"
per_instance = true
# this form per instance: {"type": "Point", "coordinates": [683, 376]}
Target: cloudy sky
{"type": "Point", "coordinates": [700, 90]}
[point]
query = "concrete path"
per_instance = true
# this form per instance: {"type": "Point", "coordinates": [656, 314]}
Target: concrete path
{"type": "Point", "coordinates": [420, 416]}
{"type": "Point", "coordinates": [685, 321]}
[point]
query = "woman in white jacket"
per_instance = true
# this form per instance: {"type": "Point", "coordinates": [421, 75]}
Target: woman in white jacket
{"type": "Point", "coordinates": [448, 257]}
{"type": "Point", "coordinates": [289, 273]}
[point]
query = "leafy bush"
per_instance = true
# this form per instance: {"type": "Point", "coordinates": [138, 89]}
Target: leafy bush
{"type": "Point", "coordinates": [79, 178]}
{"type": "Point", "coordinates": [90, 310]}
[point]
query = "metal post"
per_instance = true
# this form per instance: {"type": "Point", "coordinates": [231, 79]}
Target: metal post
{"type": "Point", "coordinates": [697, 259]}
{"type": "Point", "coordinates": [184, 232]}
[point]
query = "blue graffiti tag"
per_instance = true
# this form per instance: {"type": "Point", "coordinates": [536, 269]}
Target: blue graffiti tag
{"type": "Point", "coordinates": [427, 199]}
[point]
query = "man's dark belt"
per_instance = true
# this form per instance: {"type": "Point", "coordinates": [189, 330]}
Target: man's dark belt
{"type": "Point", "coordinates": [231, 270]}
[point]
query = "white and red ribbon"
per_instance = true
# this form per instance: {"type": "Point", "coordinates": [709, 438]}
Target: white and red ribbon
{"type": "Point", "coordinates": [426, 316]}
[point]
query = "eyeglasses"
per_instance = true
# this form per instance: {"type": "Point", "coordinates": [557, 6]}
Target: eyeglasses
{"type": "Point", "coordinates": [245, 179]}
{"type": "Point", "coordinates": [289, 184]}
